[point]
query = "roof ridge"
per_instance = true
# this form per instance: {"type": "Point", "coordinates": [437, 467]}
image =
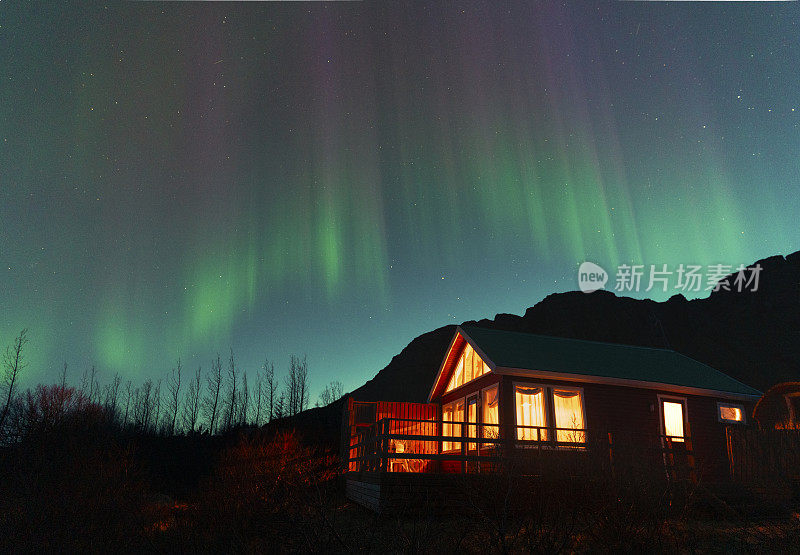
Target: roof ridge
{"type": "Point", "coordinates": [625, 345]}
{"type": "Point", "coordinates": [718, 371]}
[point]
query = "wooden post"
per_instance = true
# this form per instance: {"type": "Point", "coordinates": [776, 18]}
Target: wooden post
{"type": "Point", "coordinates": [690, 454]}
{"type": "Point", "coordinates": [464, 443]}
{"type": "Point", "coordinates": [610, 454]}
{"type": "Point", "coordinates": [507, 416]}
{"type": "Point", "coordinates": [384, 447]}
{"type": "Point", "coordinates": [729, 446]}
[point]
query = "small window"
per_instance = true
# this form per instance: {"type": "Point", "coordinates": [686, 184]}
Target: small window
{"type": "Point", "coordinates": [730, 413]}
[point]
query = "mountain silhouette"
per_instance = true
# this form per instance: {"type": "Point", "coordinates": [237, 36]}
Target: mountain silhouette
{"type": "Point", "coordinates": [753, 336]}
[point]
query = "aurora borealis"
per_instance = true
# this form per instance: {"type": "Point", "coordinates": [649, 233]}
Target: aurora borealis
{"type": "Point", "coordinates": [337, 178]}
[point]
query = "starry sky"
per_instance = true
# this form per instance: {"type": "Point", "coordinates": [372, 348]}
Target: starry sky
{"type": "Point", "coordinates": [334, 179]}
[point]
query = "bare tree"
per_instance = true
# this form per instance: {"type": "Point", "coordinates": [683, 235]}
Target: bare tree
{"type": "Point", "coordinates": [258, 397]}
{"type": "Point", "coordinates": [291, 388]}
{"type": "Point", "coordinates": [128, 396]}
{"type": "Point", "coordinates": [271, 385]}
{"type": "Point", "coordinates": [156, 407]}
{"type": "Point", "coordinates": [232, 404]}
{"type": "Point", "coordinates": [332, 392]}
{"type": "Point", "coordinates": [303, 385]}
{"type": "Point", "coordinates": [211, 402]}
{"type": "Point", "coordinates": [142, 406]}
{"type": "Point", "coordinates": [191, 407]}
{"type": "Point", "coordinates": [244, 401]}
{"type": "Point", "coordinates": [63, 383]}
{"type": "Point", "coordinates": [90, 387]}
{"type": "Point", "coordinates": [174, 387]}
{"type": "Point", "coordinates": [111, 396]}
{"type": "Point", "coordinates": [13, 364]}
{"type": "Point", "coordinates": [297, 385]}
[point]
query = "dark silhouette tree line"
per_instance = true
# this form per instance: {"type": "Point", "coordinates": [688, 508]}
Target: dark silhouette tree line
{"type": "Point", "coordinates": [213, 402]}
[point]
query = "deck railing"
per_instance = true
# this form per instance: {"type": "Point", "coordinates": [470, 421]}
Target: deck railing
{"type": "Point", "coordinates": [417, 445]}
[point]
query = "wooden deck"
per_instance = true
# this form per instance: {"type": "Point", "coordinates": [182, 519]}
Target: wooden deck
{"type": "Point", "coordinates": [400, 493]}
{"type": "Point", "coordinates": [391, 460]}
{"type": "Point", "coordinates": [388, 469]}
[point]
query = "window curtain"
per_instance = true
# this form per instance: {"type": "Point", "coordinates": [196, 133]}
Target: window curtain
{"type": "Point", "coordinates": [569, 416]}
{"type": "Point", "coordinates": [491, 416]}
{"type": "Point", "coordinates": [673, 421]}
{"type": "Point", "coordinates": [730, 413]}
{"type": "Point", "coordinates": [530, 412]}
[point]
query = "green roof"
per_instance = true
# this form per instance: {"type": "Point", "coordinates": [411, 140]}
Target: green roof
{"type": "Point", "coordinates": [527, 351]}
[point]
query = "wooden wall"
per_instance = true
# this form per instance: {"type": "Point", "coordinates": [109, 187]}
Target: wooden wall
{"type": "Point", "coordinates": [632, 414]}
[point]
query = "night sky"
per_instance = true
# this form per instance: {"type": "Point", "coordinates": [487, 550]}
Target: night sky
{"type": "Point", "coordinates": [337, 178]}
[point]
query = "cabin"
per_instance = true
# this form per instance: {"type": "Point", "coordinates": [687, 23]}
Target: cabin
{"type": "Point", "coordinates": [546, 398]}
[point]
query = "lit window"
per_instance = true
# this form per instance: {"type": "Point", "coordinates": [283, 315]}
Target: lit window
{"type": "Point", "coordinates": [491, 416]}
{"type": "Point", "coordinates": [469, 367]}
{"type": "Point", "coordinates": [457, 378]}
{"type": "Point", "coordinates": [530, 413]}
{"type": "Point", "coordinates": [468, 357]}
{"type": "Point", "coordinates": [472, 419]}
{"type": "Point", "coordinates": [731, 413]}
{"type": "Point", "coordinates": [673, 421]}
{"type": "Point", "coordinates": [452, 415]}
{"type": "Point", "coordinates": [569, 416]}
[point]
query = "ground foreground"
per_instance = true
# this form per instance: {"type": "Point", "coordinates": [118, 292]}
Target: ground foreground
{"type": "Point", "coordinates": [97, 491]}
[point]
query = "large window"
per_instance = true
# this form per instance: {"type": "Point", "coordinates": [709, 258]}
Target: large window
{"type": "Point", "coordinates": [482, 419]}
{"type": "Point", "coordinates": [491, 414]}
{"type": "Point", "coordinates": [534, 417]}
{"type": "Point", "coordinates": [531, 422]}
{"type": "Point", "coordinates": [452, 415]}
{"type": "Point", "coordinates": [569, 415]}
{"type": "Point", "coordinates": [469, 367]}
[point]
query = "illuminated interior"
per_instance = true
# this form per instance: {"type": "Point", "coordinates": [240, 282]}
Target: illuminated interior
{"type": "Point", "coordinates": [452, 415]}
{"type": "Point", "coordinates": [472, 420]}
{"type": "Point", "coordinates": [532, 416]}
{"type": "Point", "coordinates": [731, 413]}
{"type": "Point", "coordinates": [673, 420]}
{"type": "Point", "coordinates": [491, 414]}
{"type": "Point", "coordinates": [568, 409]}
{"type": "Point", "coordinates": [469, 367]}
{"type": "Point", "coordinates": [530, 412]}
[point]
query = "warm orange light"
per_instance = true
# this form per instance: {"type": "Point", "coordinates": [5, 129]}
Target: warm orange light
{"type": "Point", "coordinates": [673, 420]}
{"type": "Point", "coordinates": [530, 412]}
{"type": "Point", "coordinates": [730, 413]}
{"type": "Point", "coordinates": [569, 416]}
{"type": "Point", "coordinates": [490, 413]}
{"type": "Point", "coordinates": [469, 367]}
